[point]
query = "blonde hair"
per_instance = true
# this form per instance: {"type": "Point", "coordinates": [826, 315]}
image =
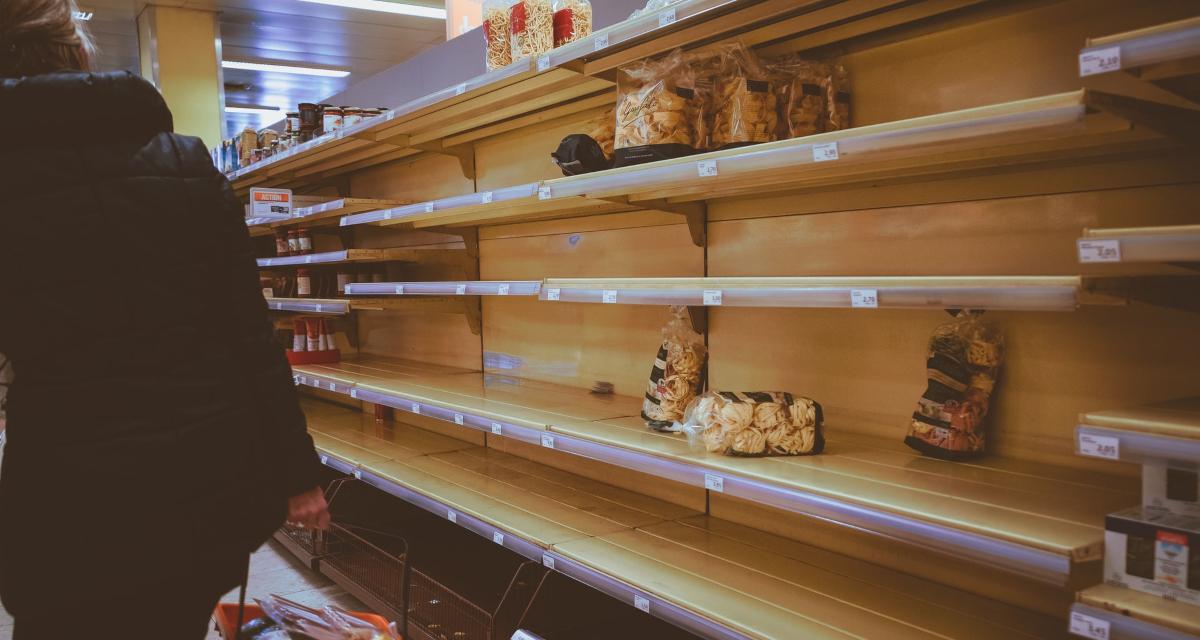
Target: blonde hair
{"type": "Point", "coordinates": [42, 36]}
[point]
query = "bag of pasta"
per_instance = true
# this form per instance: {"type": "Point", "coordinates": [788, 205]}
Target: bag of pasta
{"type": "Point", "coordinates": [837, 98]}
{"type": "Point", "coordinates": [755, 423]}
{"type": "Point", "coordinates": [964, 360]}
{"type": "Point", "coordinates": [656, 111]}
{"type": "Point", "coordinates": [676, 376]}
{"type": "Point", "coordinates": [801, 86]}
{"type": "Point", "coordinates": [604, 132]}
{"type": "Point", "coordinates": [744, 101]}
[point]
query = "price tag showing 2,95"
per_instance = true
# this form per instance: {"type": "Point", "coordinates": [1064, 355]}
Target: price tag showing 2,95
{"type": "Point", "coordinates": [1099, 61]}
{"type": "Point", "coordinates": [1099, 446]}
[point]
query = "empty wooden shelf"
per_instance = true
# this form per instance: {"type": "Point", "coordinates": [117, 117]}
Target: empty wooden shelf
{"type": "Point", "coordinates": [1166, 431]}
{"type": "Point", "coordinates": [1133, 615]}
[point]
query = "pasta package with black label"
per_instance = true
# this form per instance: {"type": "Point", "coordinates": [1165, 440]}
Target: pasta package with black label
{"type": "Point", "coordinates": [744, 100]}
{"type": "Point", "coordinates": [755, 424]}
{"type": "Point", "coordinates": [964, 360]}
{"type": "Point", "coordinates": [658, 111]}
{"type": "Point", "coordinates": [675, 378]}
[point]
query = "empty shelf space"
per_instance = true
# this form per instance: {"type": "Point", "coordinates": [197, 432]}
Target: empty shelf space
{"type": "Point", "coordinates": [1132, 615]}
{"type": "Point", "coordinates": [344, 256]}
{"type": "Point", "coordinates": [1141, 244]}
{"type": "Point", "coordinates": [1166, 54]}
{"type": "Point", "coordinates": [309, 305]}
{"type": "Point", "coordinates": [320, 214]}
{"type": "Point", "coordinates": [1165, 430]}
{"type": "Point", "coordinates": [450, 288]}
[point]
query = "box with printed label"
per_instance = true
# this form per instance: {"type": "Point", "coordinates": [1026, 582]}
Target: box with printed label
{"type": "Point", "coordinates": [1171, 486]}
{"type": "Point", "coordinates": [1154, 551]}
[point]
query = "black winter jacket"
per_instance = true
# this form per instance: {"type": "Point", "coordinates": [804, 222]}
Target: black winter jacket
{"type": "Point", "coordinates": [152, 421]}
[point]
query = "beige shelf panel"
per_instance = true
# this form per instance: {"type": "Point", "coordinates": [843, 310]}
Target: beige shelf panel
{"type": "Point", "coordinates": [1159, 62]}
{"type": "Point", "coordinates": [345, 256]}
{"type": "Point", "coordinates": [1179, 243]}
{"type": "Point", "coordinates": [316, 214]}
{"type": "Point", "coordinates": [1174, 418]}
{"type": "Point", "coordinates": [1161, 431]}
{"type": "Point", "coordinates": [1168, 614]}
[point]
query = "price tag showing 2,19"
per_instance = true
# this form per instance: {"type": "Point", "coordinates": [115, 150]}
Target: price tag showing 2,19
{"type": "Point", "coordinates": [460, 290]}
{"type": "Point", "coordinates": [547, 441]}
{"type": "Point", "coordinates": [1099, 61]}
{"type": "Point", "coordinates": [486, 197]}
{"type": "Point", "coordinates": [825, 152]}
{"type": "Point", "coordinates": [642, 603]}
{"type": "Point", "coordinates": [1105, 447]}
{"type": "Point", "coordinates": [666, 17]}
{"type": "Point", "coordinates": [458, 418]}
{"type": "Point", "coordinates": [712, 298]}
{"type": "Point", "coordinates": [609, 296]}
{"type": "Point", "coordinates": [543, 193]}
{"type": "Point", "coordinates": [601, 42]}
{"type": "Point", "coordinates": [864, 298]}
{"type": "Point", "coordinates": [1099, 250]}
{"type": "Point", "coordinates": [706, 168]}
{"type": "Point", "coordinates": [543, 63]}
{"type": "Point", "coordinates": [451, 516]}
{"type": "Point", "coordinates": [548, 561]}
{"type": "Point", "coordinates": [1089, 626]}
{"type": "Point", "coordinates": [496, 428]}
{"type": "Point", "coordinates": [714, 483]}
{"type": "Point", "coordinates": [502, 290]}
{"type": "Point", "coordinates": [554, 294]}
{"type": "Point", "coordinates": [498, 538]}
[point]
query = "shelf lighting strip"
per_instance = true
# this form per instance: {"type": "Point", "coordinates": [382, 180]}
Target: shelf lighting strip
{"type": "Point", "coordinates": [462, 288]}
{"type": "Point", "coordinates": [1153, 47]}
{"type": "Point", "coordinates": [1042, 565]}
{"type": "Point", "coordinates": [398, 215]}
{"type": "Point", "coordinates": [1164, 244]}
{"type": "Point", "coordinates": [301, 306]}
{"type": "Point", "coordinates": [312, 258]}
{"type": "Point", "coordinates": [1133, 446]}
{"type": "Point", "coordinates": [1119, 627]}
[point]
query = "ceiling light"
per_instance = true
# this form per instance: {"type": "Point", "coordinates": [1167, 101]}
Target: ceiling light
{"type": "Point", "coordinates": [280, 68]}
{"type": "Point", "coordinates": [82, 15]}
{"type": "Point", "coordinates": [258, 111]}
{"type": "Point", "coordinates": [387, 7]}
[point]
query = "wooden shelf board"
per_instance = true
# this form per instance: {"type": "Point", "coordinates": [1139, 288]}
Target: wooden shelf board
{"type": "Point", "coordinates": [1174, 418]}
{"type": "Point", "coordinates": [1152, 244]}
{"type": "Point", "coordinates": [329, 216]}
{"type": "Point", "coordinates": [1170, 614]}
{"type": "Point", "coordinates": [346, 256]}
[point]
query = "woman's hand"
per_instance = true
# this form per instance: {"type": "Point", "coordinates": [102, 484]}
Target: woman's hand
{"type": "Point", "coordinates": [309, 509]}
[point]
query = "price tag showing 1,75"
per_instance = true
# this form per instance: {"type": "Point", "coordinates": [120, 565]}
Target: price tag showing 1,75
{"type": "Point", "coordinates": [864, 298]}
{"type": "Point", "coordinates": [1099, 250]}
{"type": "Point", "coordinates": [1105, 447]}
{"type": "Point", "coordinates": [1089, 626]}
{"type": "Point", "coordinates": [714, 483]}
{"type": "Point", "coordinates": [666, 17]}
{"type": "Point", "coordinates": [706, 168]}
{"type": "Point", "coordinates": [1099, 61]}
{"type": "Point", "coordinates": [547, 441]}
{"type": "Point", "coordinates": [825, 152]}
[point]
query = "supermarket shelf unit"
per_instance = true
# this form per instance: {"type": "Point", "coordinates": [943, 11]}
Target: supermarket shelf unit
{"type": "Point", "coordinates": [1141, 244]}
{"type": "Point", "coordinates": [344, 256]}
{"type": "Point", "coordinates": [1161, 62]}
{"type": "Point", "coordinates": [319, 214]}
{"type": "Point", "coordinates": [1163, 431]}
{"type": "Point", "coordinates": [343, 306]}
{"type": "Point", "coordinates": [1133, 615]}
{"type": "Point", "coordinates": [713, 578]}
{"type": "Point", "coordinates": [454, 288]}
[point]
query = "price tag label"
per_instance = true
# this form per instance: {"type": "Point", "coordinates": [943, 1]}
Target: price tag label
{"type": "Point", "coordinates": [642, 603]}
{"type": "Point", "coordinates": [332, 387]}
{"type": "Point", "coordinates": [601, 42]}
{"type": "Point", "coordinates": [354, 393]}
{"type": "Point", "coordinates": [1089, 626]}
{"type": "Point", "coordinates": [399, 289]}
{"type": "Point", "coordinates": [268, 262]}
{"type": "Point", "coordinates": [554, 294]}
{"type": "Point", "coordinates": [864, 298]}
{"type": "Point", "coordinates": [547, 441]}
{"type": "Point", "coordinates": [548, 561]}
{"type": "Point", "coordinates": [387, 215]}
{"type": "Point", "coordinates": [1105, 447]}
{"type": "Point", "coordinates": [486, 197]}
{"type": "Point", "coordinates": [502, 290]}
{"type": "Point", "coordinates": [712, 298]}
{"type": "Point", "coordinates": [458, 91]}
{"type": "Point", "coordinates": [609, 296]}
{"type": "Point", "coordinates": [706, 168]}
{"type": "Point", "coordinates": [428, 207]}
{"type": "Point", "coordinates": [543, 193]}
{"type": "Point", "coordinates": [1099, 61]}
{"type": "Point", "coordinates": [458, 418]}
{"type": "Point", "coordinates": [320, 308]}
{"type": "Point", "coordinates": [498, 538]}
{"type": "Point", "coordinates": [325, 460]}
{"type": "Point", "coordinates": [460, 290]}
{"type": "Point", "coordinates": [714, 483]}
{"type": "Point", "coordinates": [358, 474]}
{"type": "Point", "coordinates": [496, 429]}
{"type": "Point", "coordinates": [416, 408]}
{"type": "Point", "coordinates": [301, 380]}
{"type": "Point", "coordinates": [270, 202]}
{"type": "Point", "coordinates": [666, 17]}
{"type": "Point", "coordinates": [307, 259]}
{"type": "Point", "coordinates": [825, 152]}
{"type": "Point", "coordinates": [451, 516]}
{"type": "Point", "coordinates": [543, 63]}
{"type": "Point", "coordinates": [520, 634]}
{"type": "Point", "coordinates": [1099, 250]}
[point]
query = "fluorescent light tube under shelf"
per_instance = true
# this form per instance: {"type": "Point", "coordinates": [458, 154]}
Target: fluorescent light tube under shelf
{"type": "Point", "coordinates": [282, 68]}
{"type": "Point", "coordinates": [387, 7]}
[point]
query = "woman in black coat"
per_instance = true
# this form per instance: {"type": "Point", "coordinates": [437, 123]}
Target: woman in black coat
{"type": "Point", "coordinates": [154, 434]}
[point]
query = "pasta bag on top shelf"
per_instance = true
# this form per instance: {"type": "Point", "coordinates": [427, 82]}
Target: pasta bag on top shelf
{"type": "Point", "coordinates": [676, 376]}
{"type": "Point", "coordinates": [801, 87]}
{"type": "Point", "coordinates": [964, 360]}
{"type": "Point", "coordinates": [837, 98]}
{"type": "Point", "coordinates": [744, 101]}
{"type": "Point", "coordinates": [755, 423]}
{"type": "Point", "coordinates": [657, 108]}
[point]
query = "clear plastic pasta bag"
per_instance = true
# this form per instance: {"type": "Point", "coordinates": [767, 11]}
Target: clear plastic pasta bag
{"type": "Point", "coordinates": [676, 376]}
{"type": "Point", "coordinates": [657, 111]}
{"type": "Point", "coordinates": [744, 100]}
{"type": "Point", "coordinates": [964, 360]}
{"type": "Point", "coordinates": [755, 424]}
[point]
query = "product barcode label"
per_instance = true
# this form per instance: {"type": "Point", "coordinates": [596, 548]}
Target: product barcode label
{"type": "Point", "coordinates": [399, 289]}
{"type": "Point", "coordinates": [825, 152]}
{"type": "Point", "coordinates": [1099, 61]}
{"type": "Point", "coordinates": [712, 298]}
{"type": "Point", "coordinates": [502, 290]}
{"type": "Point", "coordinates": [706, 168]}
{"type": "Point", "coordinates": [547, 441]}
{"type": "Point", "coordinates": [543, 193]}
{"type": "Point", "coordinates": [460, 290]}
{"type": "Point", "coordinates": [1105, 447]}
{"type": "Point", "coordinates": [601, 42]}
{"type": "Point", "coordinates": [554, 294]}
{"type": "Point", "coordinates": [451, 516]}
{"type": "Point", "coordinates": [325, 460]}
{"type": "Point", "coordinates": [428, 207]}
{"type": "Point", "coordinates": [864, 298]}
{"type": "Point", "coordinates": [1099, 250]}
{"type": "Point", "coordinates": [547, 561]}
{"type": "Point", "coordinates": [642, 603]}
{"type": "Point", "coordinates": [486, 197]}
{"type": "Point", "coordinates": [498, 537]}
{"type": "Point", "coordinates": [666, 17]}
{"type": "Point", "coordinates": [609, 296]}
{"type": "Point", "coordinates": [714, 483]}
{"type": "Point", "coordinates": [543, 63]}
{"type": "Point", "coordinates": [416, 408]}
{"type": "Point", "coordinates": [496, 428]}
{"type": "Point", "coordinates": [458, 91]}
{"type": "Point", "coordinates": [458, 418]}
{"type": "Point", "coordinates": [358, 474]}
{"type": "Point", "coordinates": [1089, 626]}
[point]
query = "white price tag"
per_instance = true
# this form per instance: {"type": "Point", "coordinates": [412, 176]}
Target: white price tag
{"type": "Point", "coordinates": [1099, 61]}
{"type": "Point", "coordinates": [609, 296]}
{"type": "Point", "coordinates": [825, 152]}
{"type": "Point", "coordinates": [1089, 626]}
{"type": "Point", "coordinates": [543, 63]}
{"type": "Point", "coordinates": [498, 538]}
{"type": "Point", "coordinates": [399, 289]}
{"type": "Point", "coordinates": [387, 215]}
{"type": "Point", "coordinates": [643, 604]}
{"type": "Point", "coordinates": [502, 290]}
{"type": "Point", "coordinates": [1099, 250]}
{"type": "Point", "coordinates": [325, 460]}
{"type": "Point", "coordinates": [1105, 447]}
{"type": "Point", "coordinates": [496, 429]}
{"type": "Point", "coordinates": [428, 207]}
{"type": "Point", "coordinates": [268, 262]}
{"type": "Point", "coordinates": [320, 308]}
{"type": "Point", "coordinates": [554, 294]}
{"type": "Point", "coordinates": [714, 483]}
{"type": "Point", "coordinates": [416, 408]}
{"type": "Point", "coordinates": [460, 290]}
{"type": "Point", "coordinates": [543, 193]}
{"type": "Point", "coordinates": [458, 418]}
{"type": "Point", "coordinates": [706, 168]}
{"type": "Point", "coordinates": [666, 17]}
{"type": "Point", "coordinates": [547, 441]}
{"type": "Point", "coordinates": [301, 380]}
{"type": "Point", "coordinates": [520, 634]}
{"type": "Point", "coordinates": [864, 298]}
{"type": "Point", "coordinates": [307, 259]}
{"type": "Point", "coordinates": [548, 561]}
{"type": "Point", "coordinates": [451, 516]}
{"type": "Point", "coordinates": [486, 197]}
{"type": "Point", "coordinates": [601, 42]}
{"type": "Point", "coordinates": [332, 386]}
{"type": "Point", "coordinates": [358, 474]}
{"type": "Point", "coordinates": [459, 90]}
{"type": "Point", "coordinates": [354, 393]}
{"type": "Point", "coordinates": [712, 298]}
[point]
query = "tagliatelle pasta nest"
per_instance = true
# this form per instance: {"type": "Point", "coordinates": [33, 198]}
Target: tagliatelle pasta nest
{"type": "Point", "coordinates": [757, 423]}
{"type": "Point", "coordinates": [676, 376]}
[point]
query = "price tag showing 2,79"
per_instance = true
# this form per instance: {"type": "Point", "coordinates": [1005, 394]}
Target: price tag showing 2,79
{"type": "Point", "coordinates": [1099, 61]}
{"type": "Point", "coordinates": [864, 298]}
{"type": "Point", "coordinates": [1105, 447]}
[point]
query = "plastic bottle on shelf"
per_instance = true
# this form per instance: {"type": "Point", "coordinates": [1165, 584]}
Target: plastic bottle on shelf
{"type": "Point", "coordinates": [305, 241]}
{"type": "Point", "coordinates": [572, 21]}
{"type": "Point", "coordinates": [303, 283]}
{"type": "Point", "coordinates": [299, 335]}
{"type": "Point", "coordinates": [496, 34]}
{"type": "Point", "coordinates": [314, 334]}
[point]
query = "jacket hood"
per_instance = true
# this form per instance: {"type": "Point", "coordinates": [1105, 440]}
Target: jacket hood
{"type": "Point", "coordinates": [74, 109]}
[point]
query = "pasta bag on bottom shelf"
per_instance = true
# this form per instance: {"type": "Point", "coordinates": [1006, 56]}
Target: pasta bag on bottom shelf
{"type": "Point", "coordinates": [675, 378]}
{"type": "Point", "coordinates": [964, 360]}
{"type": "Point", "coordinates": [755, 423]}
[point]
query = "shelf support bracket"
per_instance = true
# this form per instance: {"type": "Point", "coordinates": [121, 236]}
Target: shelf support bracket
{"type": "Point", "coordinates": [1174, 122]}
{"type": "Point", "coordinates": [696, 214]}
{"type": "Point", "coordinates": [472, 307]}
{"type": "Point", "coordinates": [465, 153]}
